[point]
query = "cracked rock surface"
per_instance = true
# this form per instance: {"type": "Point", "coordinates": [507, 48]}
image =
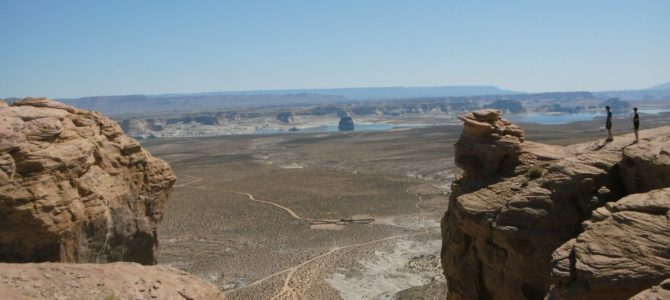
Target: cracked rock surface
{"type": "Point", "coordinates": [624, 248]}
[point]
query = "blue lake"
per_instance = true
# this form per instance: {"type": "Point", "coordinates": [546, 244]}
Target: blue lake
{"type": "Point", "coordinates": [541, 118]}
{"type": "Point", "coordinates": [334, 128]}
{"type": "Point", "coordinates": [560, 118]}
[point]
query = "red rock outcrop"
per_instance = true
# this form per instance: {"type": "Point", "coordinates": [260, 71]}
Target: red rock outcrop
{"type": "Point", "coordinates": [119, 280]}
{"type": "Point", "coordinates": [73, 188]}
{"type": "Point", "coordinates": [506, 220]}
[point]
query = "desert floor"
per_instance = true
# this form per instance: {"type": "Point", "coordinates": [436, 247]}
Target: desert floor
{"type": "Point", "coordinates": [320, 216]}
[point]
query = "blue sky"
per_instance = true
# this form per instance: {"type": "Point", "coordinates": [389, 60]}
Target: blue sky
{"type": "Point", "coordinates": [59, 48]}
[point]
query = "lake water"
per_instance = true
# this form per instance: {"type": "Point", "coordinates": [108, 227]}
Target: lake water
{"type": "Point", "coordinates": [334, 128]}
{"type": "Point", "coordinates": [559, 118]}
{"type": "Point", "coordinates": [540, 118]}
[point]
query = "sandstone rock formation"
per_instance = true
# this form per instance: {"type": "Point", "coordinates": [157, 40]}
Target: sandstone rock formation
{"type": "Point", "coordinates": [518, 203]}
{"type": "Point", "coordinates": [624, 247]}
{"type": "Point", "coordinates": [73, 188]}
{"type": "Point", "coordinates": [100, 281]}
{"type": "Point", "coordinates": [645, 166]}
{"type": "Point", "coordinates": [489, 145]}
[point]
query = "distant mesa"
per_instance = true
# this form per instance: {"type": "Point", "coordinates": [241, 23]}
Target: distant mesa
{"type": "Point", "coordinates": [346, 124]}
{"type": "Point", "coordinates": [557, 108]}
{"type": "Point", "coordinates": [616, 104]}
{"type": "Point", "coordinates": [286, 117]}
{"type": "Point", "coordinates": [511, 106]}
{"type": "Point", "coordinates": [660, 87]}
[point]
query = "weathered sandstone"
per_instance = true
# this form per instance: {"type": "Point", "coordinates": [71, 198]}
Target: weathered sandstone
{"type": "Point", "coordinates": [120, 280]}
{"type": "Point", "coordinates": [488, 145]}
{"type": "Point", "coordinates": [73, 188]}
{"type": "Point", "coordinates": [518, 203]}
{"type": "Point", "coordinates": [624, 247]}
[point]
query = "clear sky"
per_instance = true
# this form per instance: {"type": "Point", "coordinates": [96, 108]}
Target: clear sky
{"type": "Point", "coordinates": [73, 48]}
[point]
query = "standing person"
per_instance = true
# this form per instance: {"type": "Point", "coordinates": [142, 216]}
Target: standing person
{"type": "Point", "coordinates": [636, 124]}
{"type": "Point", "coordinates": [608, 124]}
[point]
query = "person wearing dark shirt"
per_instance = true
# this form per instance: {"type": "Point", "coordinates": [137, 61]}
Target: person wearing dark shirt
{"type": "Point", "coordinates": [608, 124]}
{"type": "Point", "coordinates": [636, 124]}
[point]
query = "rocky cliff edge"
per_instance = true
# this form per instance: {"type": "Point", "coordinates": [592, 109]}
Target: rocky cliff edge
{"type": "Point", "coordinates": [74, 188]}
{"type": "Point", "coordinates": [527, 220]}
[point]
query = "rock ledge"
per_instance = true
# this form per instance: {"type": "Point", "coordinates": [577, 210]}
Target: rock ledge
{"type": "Point", "coordinates": [528, 220]}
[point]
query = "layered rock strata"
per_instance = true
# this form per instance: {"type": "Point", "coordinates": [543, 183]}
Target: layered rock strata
{"type": "Point", "coordinates": [73, 188]}
{"type": "Point", "coordinates": [518, 203]}
{"type": "Point", "coordinates": [489, 145]}
{"type": "Point", "coordinates": [623, 248]}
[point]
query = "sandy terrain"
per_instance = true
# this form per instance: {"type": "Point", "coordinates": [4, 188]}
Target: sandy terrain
{"type": "Point", "coordinates": [321, 215]}
{"type": "Point", "coordinates": [308, 215]}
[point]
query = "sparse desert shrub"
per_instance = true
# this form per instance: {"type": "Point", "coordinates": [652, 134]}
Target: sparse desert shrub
{"type": "Point", "coordinates": [535, 172]}
{"type": "Point", "coordinates": [111, 297]}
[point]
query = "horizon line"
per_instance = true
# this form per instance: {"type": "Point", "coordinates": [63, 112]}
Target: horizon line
{"type": "Point", "coordinates": [517, 92]}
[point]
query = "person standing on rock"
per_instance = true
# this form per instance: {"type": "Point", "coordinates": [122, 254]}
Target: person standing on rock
{"type": "Point", "coordinates": [636, 124]}
{"type": "Point", "coordinates": [608, 124]}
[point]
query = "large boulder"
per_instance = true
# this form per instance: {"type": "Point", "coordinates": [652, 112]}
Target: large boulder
{"type": "Point", "coordinates": [518, 202]}
{"type": "Point", "coordinates": [119, 280]}
{"type": "Point", "coordinates": [73, 188]}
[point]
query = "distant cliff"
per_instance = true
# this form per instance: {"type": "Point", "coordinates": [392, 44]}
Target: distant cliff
{"type": "Point", "coordinates": [512, 106]}
{"type": "Point", "coordinates": [202, 102]}
{"type": "Point", "coordinates": [528, 220]}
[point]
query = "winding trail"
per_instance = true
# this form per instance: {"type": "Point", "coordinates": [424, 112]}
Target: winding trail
{"type": "Point", "coordinates": [251, 197]}
{"type": "Point", "coordinates": [418, 204]}
{"type": "Point", "coordinates": [197, 179]}
{"type": "Point", "coordinates": [289, 292]}
{"type": "Point", "coordinates": [296, 216]}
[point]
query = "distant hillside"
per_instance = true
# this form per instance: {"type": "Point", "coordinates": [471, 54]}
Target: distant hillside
{"type": "Point", "coordinates": [145, 104]}
{"type": "Point", "coordinates": [660, 87]}
{"type": "Point", "coordinates": [512, 106]}
{"type": "Point", "coordinates": [199, 102]}
{"type": "Point", "coordinates": [657, 92]}
{"type": "Point", "coordinates": [384, 92]}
